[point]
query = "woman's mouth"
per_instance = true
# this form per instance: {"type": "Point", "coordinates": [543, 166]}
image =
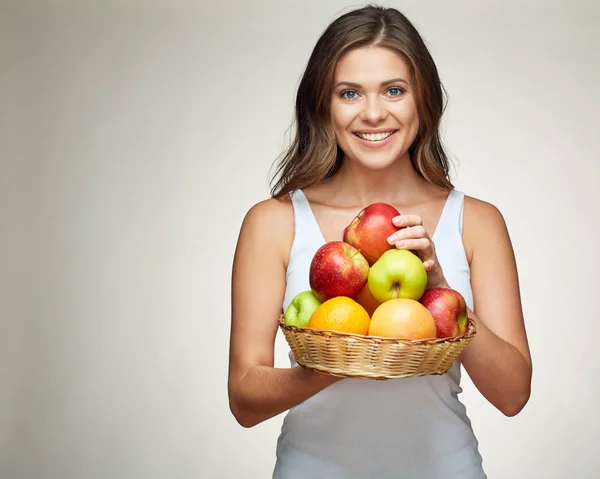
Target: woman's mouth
{"type": "Point", "coordinates": [374, 139]}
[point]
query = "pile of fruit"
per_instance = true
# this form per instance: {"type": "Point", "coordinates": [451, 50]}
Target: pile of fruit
{"type": "Point", "coordinates": [363, 285]}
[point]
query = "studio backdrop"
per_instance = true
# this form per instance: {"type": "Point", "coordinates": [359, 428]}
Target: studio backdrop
{"type": "Point", "coordinates": [134, 137]}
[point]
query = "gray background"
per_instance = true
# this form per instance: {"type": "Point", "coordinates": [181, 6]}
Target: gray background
{"type": "Point", "coordinates": [135, 135]}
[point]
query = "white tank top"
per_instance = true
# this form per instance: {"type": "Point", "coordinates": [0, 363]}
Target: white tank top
{"type": "Point", "coordinates": [399, 428]}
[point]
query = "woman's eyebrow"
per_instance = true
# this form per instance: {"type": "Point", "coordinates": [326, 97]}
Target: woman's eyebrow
{"type": "Point", "coordinates": [384, 83]}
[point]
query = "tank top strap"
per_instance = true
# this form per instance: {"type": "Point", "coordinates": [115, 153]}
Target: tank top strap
{"type": "Point", "coordinates": [306, 228]}
{"type": "Point", "coordinates": [451, 220]}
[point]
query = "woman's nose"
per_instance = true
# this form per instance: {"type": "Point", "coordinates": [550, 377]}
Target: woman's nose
{"type": "Point", "coordinates": [373, 110]}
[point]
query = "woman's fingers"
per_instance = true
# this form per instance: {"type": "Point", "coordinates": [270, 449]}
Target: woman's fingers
{"type": "Point", "coordinates": [417, 231]}
{"type": "Point", "coordinates": [429, 264]}
{"type": "Point", "coordinates": [412, 236]}
{"type": "Point", "coordinates": [413, 243]}
{"type": "Point", "coordinates": [407, 220]}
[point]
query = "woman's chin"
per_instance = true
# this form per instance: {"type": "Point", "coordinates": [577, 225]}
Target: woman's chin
{"type": "Point", "coordinates": [377, 162]}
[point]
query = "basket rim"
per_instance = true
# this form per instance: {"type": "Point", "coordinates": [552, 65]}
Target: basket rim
{"type": "Point", "coordinates": [468, 334]}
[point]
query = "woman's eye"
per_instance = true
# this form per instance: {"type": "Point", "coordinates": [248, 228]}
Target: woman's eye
{"type": "Point", "coordinates": [395, 91]}
{"type": "Point", "coordinates": [349, 94]}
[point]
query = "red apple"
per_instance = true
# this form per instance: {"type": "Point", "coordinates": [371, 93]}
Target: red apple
{"type": "Point", "coordinates": [449, 311]}
{"type": "Point", "coordinates": [370, 229]}
{"type": "Point", "coordinates": [337, 269]}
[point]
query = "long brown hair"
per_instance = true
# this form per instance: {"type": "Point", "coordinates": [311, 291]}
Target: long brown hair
{"type": "Point", "coordinates": [314, 155]}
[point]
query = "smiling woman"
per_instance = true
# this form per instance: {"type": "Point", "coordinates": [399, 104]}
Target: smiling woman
{"type": "Point", "coordinates": [334, 72]}
{"type": "Point", "coordinates": [368, 111]}
{"type": "Point", "coordinates": [368, 115]}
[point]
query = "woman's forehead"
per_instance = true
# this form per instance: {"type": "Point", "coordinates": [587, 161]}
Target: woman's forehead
{"type": "Point", "coordinates": [371, 66]}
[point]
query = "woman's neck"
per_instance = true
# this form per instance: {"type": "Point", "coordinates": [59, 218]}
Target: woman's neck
{"type": "Point", "coordinates": [361, 185]}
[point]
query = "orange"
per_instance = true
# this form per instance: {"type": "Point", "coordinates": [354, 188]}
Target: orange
{"type": "Point", "coordinates": [402, 318]}
{"type": "Point", "coordinates": [341, 314]}
{"type": "Point", "coordinates": [366, 300]}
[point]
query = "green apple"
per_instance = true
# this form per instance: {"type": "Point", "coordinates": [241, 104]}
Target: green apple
{"type": "Point", "coordinates": [397, 273]}
{"type": "Point", "coordinates": [301, 309]}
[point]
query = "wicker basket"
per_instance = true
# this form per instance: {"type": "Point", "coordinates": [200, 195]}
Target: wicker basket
{"type": "Point", "coordinates": [352, 355]}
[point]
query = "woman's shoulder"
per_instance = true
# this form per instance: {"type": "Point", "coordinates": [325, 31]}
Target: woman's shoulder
{"type": "Point", "coordinates": [478, 208]}
{"type": "Point", "coordinates": [271, 209]}
{"type": "Point", "coordinates": [271, 212]}
{"type": "Point", "coordinates": [483, 223]}
{"type": "Point", "coordinates": [270, 221]}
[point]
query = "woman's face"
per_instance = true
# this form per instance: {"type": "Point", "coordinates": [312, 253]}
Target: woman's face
{"type": "Point", "coordinates": [373, 109]}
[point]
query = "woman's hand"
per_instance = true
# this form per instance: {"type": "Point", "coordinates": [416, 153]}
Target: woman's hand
{"type": "Point", "coordinates": [413, 236]}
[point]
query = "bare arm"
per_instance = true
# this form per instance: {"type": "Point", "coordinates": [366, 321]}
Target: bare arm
{"type": "Point", "coordinates": [498, 359]}
{"type": "Point", "coordinates": [257, 390]}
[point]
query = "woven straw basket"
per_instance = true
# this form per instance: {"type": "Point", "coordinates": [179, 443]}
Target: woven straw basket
{"type": "Point", "coordinates": [352, 355]}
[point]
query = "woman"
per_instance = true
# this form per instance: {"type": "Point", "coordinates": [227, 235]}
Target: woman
{"type": "Point", "coordinates": [368, 111]}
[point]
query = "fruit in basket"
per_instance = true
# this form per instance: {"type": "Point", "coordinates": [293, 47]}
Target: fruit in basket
{"type": "Point", "coordinates": [402, 318]}
{"type": "Point", "coordinates": [448, 309]}
{"type": "Point", "coordinates": [366, 300]}
{"type": "Point", "coordinates": [341, 314]}
{"type": "Point", "coordinates": [370, 229]}
{"type": "Point", "coordinates": [301, 309]}
{"type": "Point", "coordinates": [337, 269]}
{"type": "Point", "coordinates": [398, 273]}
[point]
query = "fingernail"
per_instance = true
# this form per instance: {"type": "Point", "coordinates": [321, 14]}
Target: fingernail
{"type": "Point", "coordinates": [390, 240]}
{"type": "Point", "coordinates": [400, 244]}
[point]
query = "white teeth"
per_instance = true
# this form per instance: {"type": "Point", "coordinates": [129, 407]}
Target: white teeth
{"type": "Point", "coordinates": [374, 137]}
